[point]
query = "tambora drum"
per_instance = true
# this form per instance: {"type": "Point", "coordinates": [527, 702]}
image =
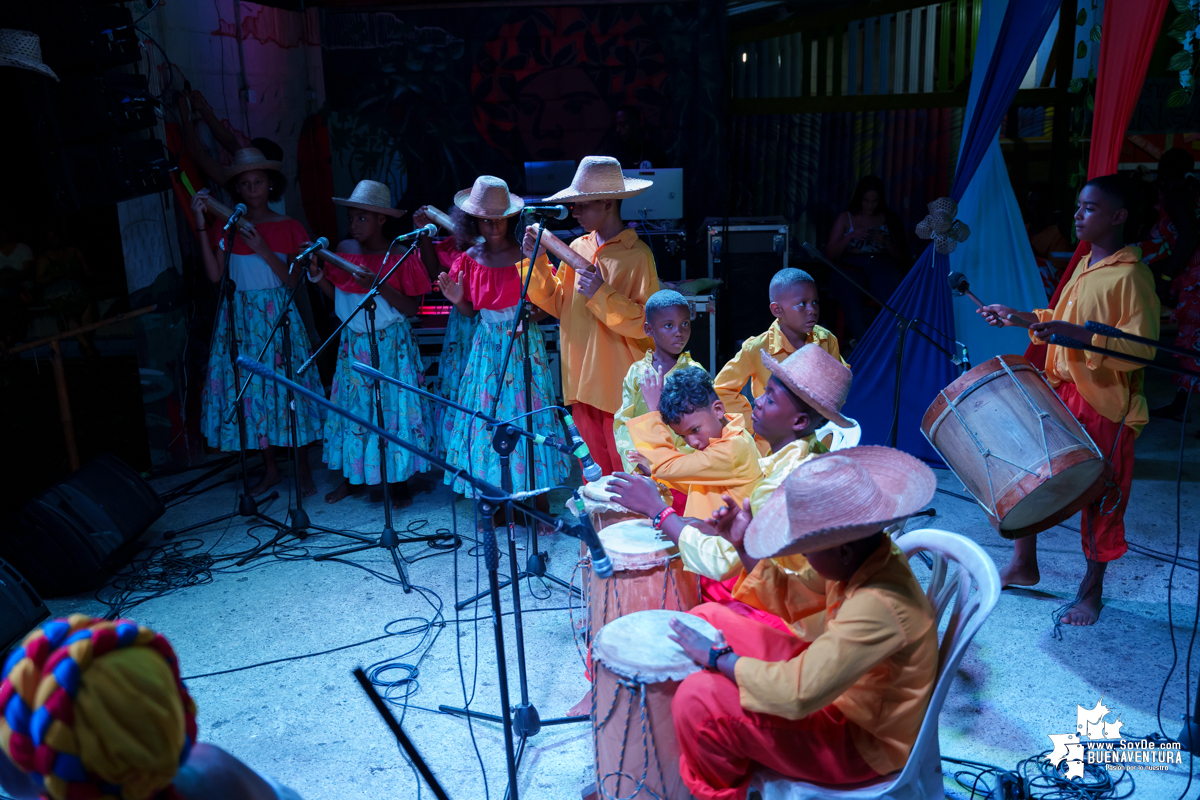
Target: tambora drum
{"type": "Point", "coordinates": [603, 508]}
{"type": "Point", "coordinates": [1019, 451]}
{"type": "Point", "coordinates": [647, 574]}
{"type": "Point", "coordinates": [637, 670]}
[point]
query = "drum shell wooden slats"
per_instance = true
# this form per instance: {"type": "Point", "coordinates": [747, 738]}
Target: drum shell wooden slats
{"type": "Point", "coordinates": [993, 413]}
{"type": "Point", "coordinates": [617, 733]}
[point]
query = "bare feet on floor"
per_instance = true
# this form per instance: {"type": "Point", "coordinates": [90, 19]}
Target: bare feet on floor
{"type": "Point", "coordinates": [307, 487]}
{"type": "Point", "coordinates": [1020, 573]}
{"type": "Point", "coordinates": [268, 480]}
{"type": "Point", "coordinates": [339, 493]}
{"type": "Point", "coordinates": [1087, 610]}
{"type": "Point", "coordinates": [401, 497]}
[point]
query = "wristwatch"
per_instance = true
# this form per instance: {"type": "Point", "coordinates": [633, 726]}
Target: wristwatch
{"type": "Point", "coordinates": [716, 652]}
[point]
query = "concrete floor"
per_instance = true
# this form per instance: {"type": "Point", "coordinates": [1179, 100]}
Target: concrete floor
{"type": "Point", "coordinates": [307, 722]}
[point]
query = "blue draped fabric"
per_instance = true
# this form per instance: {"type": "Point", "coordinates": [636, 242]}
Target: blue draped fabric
{"type": "Point", "coordinates": [924, 294]}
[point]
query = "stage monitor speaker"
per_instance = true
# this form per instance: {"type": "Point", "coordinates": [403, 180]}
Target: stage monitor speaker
{"type": "Point", "coordinates": [68, 539]}
{"type": "Point", "coordinates": [21, 607]}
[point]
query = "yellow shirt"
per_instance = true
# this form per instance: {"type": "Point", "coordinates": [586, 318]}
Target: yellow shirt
{"type": "Point", "coordinates": [729, 465]}
{"type": "Point", "coordinates": [747, 366]}
{"type": "Point", "coordinates": [600, 337]}
{"type": "Point", "coordinates": [875, 657]}
{"type": "Point", "coordinates": [713, 556]}
{"type": "Point", "coordinates": [1117, 291]}
{"type": "Point", "coordinates": [634, 405]}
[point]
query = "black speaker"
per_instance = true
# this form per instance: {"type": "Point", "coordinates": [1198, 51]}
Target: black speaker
{"type": "Point", "coordinates": [67, 540]}
{"type": "Point", "coordinates": [21, 607]}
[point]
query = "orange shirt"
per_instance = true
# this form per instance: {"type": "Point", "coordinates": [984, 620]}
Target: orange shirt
{"type": "Point", "coordinates": [1117, 291]}
{"type": "Point", "coordinates": [875, 657]}
{"type": "Point", "coordinates": [729, 465]}
{"type": "Point", "coordinates": [747, 366]}
{"type": "Point", "coordinates": [601, 337]}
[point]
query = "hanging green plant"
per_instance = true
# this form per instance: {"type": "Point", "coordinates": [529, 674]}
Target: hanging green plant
{"type": "Point", "coordinates": [1185, 30]}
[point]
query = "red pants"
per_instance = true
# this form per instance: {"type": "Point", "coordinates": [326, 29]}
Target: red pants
{"type": "Point", "coordinates": [712, 591]}
{"type": "Point", "coordinates": [1103, 524]}
{"type": "Point", "coordinates": [721, 743]}
{"type": "Point", "coordinates": [596, 428]}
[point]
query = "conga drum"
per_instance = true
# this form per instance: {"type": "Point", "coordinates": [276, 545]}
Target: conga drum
{"type": "Point", "coordinates": [1016, 447]}
{"type": "Point", "coordinates": [603, 508]}
{"type": "Point", "coordinates": [647, 574]}
{"type": "Point", "coordinates": [637, 670]}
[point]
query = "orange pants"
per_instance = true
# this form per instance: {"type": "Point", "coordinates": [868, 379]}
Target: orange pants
{"type": "Point", "coordinates": [1102, 527]}
{"type": "Point", "coordinates": [713, 591]}
{"type": "Point", "coordinates": [596, 428]}
{"type": "Point", "coordinates": [721, 744]}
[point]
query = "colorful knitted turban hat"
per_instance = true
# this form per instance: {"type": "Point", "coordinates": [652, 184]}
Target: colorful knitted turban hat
{"type": "Point", "coordinates": [95, 710]}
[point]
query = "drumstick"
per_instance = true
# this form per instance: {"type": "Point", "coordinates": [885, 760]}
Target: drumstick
{"type": "Point", "coordinates": [1013, 318]}
{"type": "Point", "coordinates": [559, 249]}
{"type": "Point", "coordinates": [219, 209]}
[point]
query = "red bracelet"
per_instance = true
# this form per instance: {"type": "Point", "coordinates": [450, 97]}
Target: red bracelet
{"type": "Point", "coordinates": [661, 517]}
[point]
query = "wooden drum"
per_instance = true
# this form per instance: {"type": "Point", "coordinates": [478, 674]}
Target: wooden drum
{"type": "Point", "coordinates": [1021, 454]}
{"type": "Point", "coordinates": [603, 508]}
{"type": "Point", "coordinates": [647, 574]}
{"type": "Point", "coordinates": [637, 670]}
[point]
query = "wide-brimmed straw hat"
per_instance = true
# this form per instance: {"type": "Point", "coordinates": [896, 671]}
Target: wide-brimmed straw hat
{"type": "Point", "coordinates": [817, 378]}
{"type": "Point", "coordinates": [840, 497]}
{"type": "Point", "coordinates": [249, 158]}
{"type": "Point", "coordinates": [489, 198]}
{"type": "Point", "coordinates": [23, 49]}
{"type": "Point", "coordinates": [599, 178]}
{"type": "Point", "coordinates": [371, 196]}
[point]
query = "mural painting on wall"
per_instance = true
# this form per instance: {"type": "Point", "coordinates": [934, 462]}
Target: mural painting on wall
{"type": "Point", "coordinates": [433, 99]}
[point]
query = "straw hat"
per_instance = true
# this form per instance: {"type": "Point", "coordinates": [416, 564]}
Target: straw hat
{"type": "Point", "coordinates": [23, 50]}
{"type": "Point", "coordinates": [815, 377]}
{"type": "Point", "coordinates": [249, 158]}
{"type": "Point", "coordinates": [371, 196]}
{"type": "Point", "coordinates": [599, 178]}
{"type": "Point", "coordinates": [489, 198]}
{"type": "Point", "coordinates": [840, 497]}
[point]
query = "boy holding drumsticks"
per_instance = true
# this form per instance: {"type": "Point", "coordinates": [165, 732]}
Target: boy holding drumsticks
{"type": "Point", "coordinates": [1112, 286]}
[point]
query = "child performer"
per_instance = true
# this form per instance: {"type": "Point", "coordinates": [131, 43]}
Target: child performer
{"type": "Point", "coordinates": [669, 324]}
{"type": "Point", "coordinates": [600, 310]}
{"type": "Point", "coordinates": [485, 281]}
{"type": "Point", "coordinates": [806, 390]}
{"type": "Point", "coordinates": [845, 705]}
{"type": "Point", "coordinates": [460, 329]}
{"type": "Point", "coordinates": [1111, 285]}
{"type": "Point", "coordinates": [796, 308]}
{"type": "Point", "coordinates": [259, 270]}
{"type": "Point", "coordinates": [349, 447]}
{"type": "Point", "coordinates": [723, 458]}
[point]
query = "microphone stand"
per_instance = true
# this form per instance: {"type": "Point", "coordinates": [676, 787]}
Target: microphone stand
{"type": "Point", "coordinates": [388, 539]}
{"type": "Point", "coordinates": [247, 504]}
{"type": "Point", "coordinates": [488, 500]}
{"type": "Point", "coordinates": [904, 324]}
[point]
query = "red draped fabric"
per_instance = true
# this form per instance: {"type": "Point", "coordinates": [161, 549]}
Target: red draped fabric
{"type": "Point", "coordinates": [1130, 30]}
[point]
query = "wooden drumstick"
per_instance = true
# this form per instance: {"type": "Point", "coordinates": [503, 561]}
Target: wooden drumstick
{"type": "Point", "coordinates": [559, 249]}
{"type": "Point", "coordinates": [1013, 318]}
{"type": "Point", "coordinates": [219, 209]}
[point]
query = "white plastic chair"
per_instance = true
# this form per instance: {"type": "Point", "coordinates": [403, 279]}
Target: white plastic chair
{"type": "Point", "coordinates": [835, 437]}
{"type": "Point", "coordinates": [921, 778]}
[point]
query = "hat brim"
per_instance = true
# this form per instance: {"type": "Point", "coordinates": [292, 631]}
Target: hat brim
{"type": "Point", "coordinates": [804, 394]}
{"type": "Point", "coordinates": [233, 171]}
{"type": "Point", "coordinates": [26, 64]}
{"type": "Point", "coordinates": [391, 212]}
{"type": "Point", "coordinates": [463, 200]}
{"type": "Point", "coordinates": [633, 186]}
{"type": "Point", "coordinates": [905, 478]}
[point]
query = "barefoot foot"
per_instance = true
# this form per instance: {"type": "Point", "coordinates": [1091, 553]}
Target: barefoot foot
{"type": "Point", "coordinates": [1091, 589]}
{"type": "Point", "coordinates": [1020, 573]}
{"type": "Point", "coordinates": [340, 492]}
{"type": "Point", "coordinates": [268, 480]}
{"type": "Point", "coordinates": [307, 487]}
{"type": "Point", "coordinates": [401, 496]}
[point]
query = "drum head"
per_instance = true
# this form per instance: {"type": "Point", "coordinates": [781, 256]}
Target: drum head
{"type": "Point", "coordinates": [637, 646]}
{"type": "Point", "coordinates": [1053, 495]}
{"type": "Point", "coordinates": [634, 544]}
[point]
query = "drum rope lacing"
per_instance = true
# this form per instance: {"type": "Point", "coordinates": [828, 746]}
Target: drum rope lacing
{"type": "Point", "coordinates": [638, 689]}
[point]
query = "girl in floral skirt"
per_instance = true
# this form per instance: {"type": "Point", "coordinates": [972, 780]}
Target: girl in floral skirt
{"type": "Point", "coordinates": [349, 448]}
{"type": "Point", "coordinates": [485, 281]}
{"type": "Point", "coordinates": [258, 267]}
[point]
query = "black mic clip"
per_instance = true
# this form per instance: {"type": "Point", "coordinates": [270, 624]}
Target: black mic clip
{"type": "Point", "coordinates": [958, 283]}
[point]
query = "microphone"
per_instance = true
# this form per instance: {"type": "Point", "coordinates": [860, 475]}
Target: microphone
{"type": "Point", "coordinates": [429, 230]}
{"type": "Point", "coordinates": [547, 212]}
{"type": "Point", "coordinates": [238, 211]}
{"type": "Point", "coordinates": [601, 563]}
{"type": "Point", "coordinates": [591, 470]}
{"type": "Point", "coordinates": [319, 244]}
